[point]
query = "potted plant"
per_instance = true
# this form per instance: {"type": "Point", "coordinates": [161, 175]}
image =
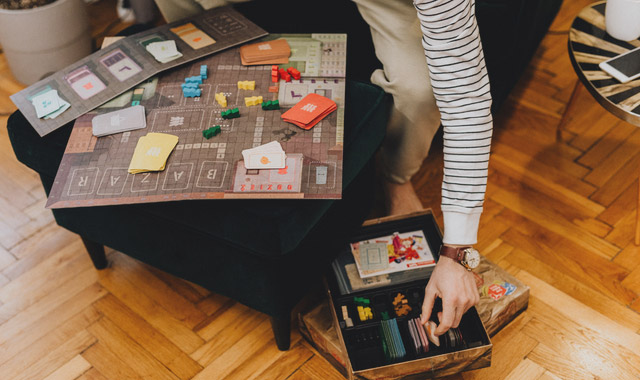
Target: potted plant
{"type": "Point", "coordinates": [40, 37]}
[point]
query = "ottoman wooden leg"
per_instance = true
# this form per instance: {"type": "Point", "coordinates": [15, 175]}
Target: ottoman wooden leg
{"type": "Point", "coordinates": [282, 331]}
{"type": "Point", "coordinates": [96, 252]}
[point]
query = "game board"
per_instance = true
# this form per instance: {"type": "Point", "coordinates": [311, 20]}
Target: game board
{"type": "Point", "coordinates": [93, 170]}
{"type": "Point", "coordinates": [108, 73]}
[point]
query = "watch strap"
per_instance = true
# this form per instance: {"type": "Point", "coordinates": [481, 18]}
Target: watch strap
{"type": "Point", "coordinates": [455, 253]}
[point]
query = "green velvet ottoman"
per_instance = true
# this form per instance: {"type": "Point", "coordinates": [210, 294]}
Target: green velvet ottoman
{"type": "Point", "coordinates": [265, 254]}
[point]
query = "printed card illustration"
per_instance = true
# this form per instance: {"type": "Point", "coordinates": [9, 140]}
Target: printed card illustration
{"type": "Point", "coordinates": [267, 156]}
{"type": "Point", "coordinates": [193, 36]}
{"type": "Point", "coordinates": [393, 253]}
{"type": "Point", "coordinates": [127, 119]}
{"type": "Point", "coordinates": [85, 83]}
{"type": "Point", "coordinates": [48, 103]}
{"type": "Point", "coordinates": [120, 65]}
{"type": "Point", "coordinates": [309, 111]}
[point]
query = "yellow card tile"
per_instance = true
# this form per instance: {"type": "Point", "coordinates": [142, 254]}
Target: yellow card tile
{"type": "Point", "coordinates": [152, 152]}
{"type": "Point", "coordinates": [193, 36]}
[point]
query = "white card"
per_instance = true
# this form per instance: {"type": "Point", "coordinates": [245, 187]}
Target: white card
{"type": "Point", "coordinates": [46, 103]}
{"type": "Point", "coordinates": [265, 160]}
{"type": "Point", "coordinates": [64, 105]}
{"type": "Point", "coordinates": [127, 119]}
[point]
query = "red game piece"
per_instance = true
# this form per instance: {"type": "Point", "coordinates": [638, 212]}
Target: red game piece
{"type": "Point", "coordinates": [284, 75]}
{"type": "Point", "coordinates": [294, 73]}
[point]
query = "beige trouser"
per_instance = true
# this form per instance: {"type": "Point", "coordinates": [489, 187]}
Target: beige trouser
{"type": "Point", "coordinates": [397, 39]}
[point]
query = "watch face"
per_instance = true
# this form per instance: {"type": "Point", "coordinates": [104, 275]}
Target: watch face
{"type": "Point", "coordinates": [471, 258]}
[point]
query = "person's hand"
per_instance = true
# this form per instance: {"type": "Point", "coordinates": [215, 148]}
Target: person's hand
{"type": "Point", "coordinates": [456, 286]}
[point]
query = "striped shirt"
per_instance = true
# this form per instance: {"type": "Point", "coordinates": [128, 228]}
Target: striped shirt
{"type": "Point", "coordinates": [460, 84]}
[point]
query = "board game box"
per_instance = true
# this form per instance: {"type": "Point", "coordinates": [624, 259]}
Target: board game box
{"type": "Point", "coordinates": [379, 327]}
{"type": "Point", "coordinates": [502, 298]}
{"type": "Point", "coordinates": [93, 171]}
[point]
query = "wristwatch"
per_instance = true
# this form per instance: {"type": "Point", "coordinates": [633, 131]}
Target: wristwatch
{"type": "Point", "coordinates": [469, 257]}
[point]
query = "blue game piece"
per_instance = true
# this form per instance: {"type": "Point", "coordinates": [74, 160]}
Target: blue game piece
{"type": "Point", "coordinates": [190, 85]}
{"type": "Point", "coordinates": [194, 79]}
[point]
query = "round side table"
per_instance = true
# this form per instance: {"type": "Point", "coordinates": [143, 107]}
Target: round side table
{"type": "Point", "coordinates": [589, 44]}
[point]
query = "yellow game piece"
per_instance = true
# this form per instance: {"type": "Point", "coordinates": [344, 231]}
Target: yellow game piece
{"type": "Point", "coordinates": [368, 313]}
{"type": "Point", "coordinates": [253, 101]}
{"type": "Point", "coordinates": [247, 85]}
{"type": "Point", "coordinates": [221, 99]}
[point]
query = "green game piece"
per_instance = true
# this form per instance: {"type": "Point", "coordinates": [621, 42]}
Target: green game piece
{"type": "Point", "coordinates": [271, 105]}
{"type": "Point", "coordinates": [230, 114]}
{"type": "Point", "coordinates": [210, 132]}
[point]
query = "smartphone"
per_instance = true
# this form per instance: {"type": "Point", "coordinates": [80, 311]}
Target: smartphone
{"type": "Point", "coordinates": [624, 67]}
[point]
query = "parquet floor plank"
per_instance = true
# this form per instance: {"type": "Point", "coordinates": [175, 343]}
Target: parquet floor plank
{"type": "Point", "coordinates": [526, 370]}
{"type": "Point", "coordinates": [510, 347]}
{"type": "Point", "coordinates": [58, 357]}
{"type": "Point", "coordinates": [143, 305]}
{"type": "Point", "coordinates": [267, 356]}
{"type": "Point", "coordinates": [130, 352]}
{"type": "Point", "coordinates": [148, 338]}
{"type": "Point", "coordinates": [282, 368]}
{"type": "Point", "coordinates": [108, 364]}
{"type": "Point", "coordinates": [20, 358]}
{"type": "Point", "coordinates": [92, 374]}
{"type": "Point", "coordinates": [73, 369]}
{"type": "Point", "coordinates": [145, 281]}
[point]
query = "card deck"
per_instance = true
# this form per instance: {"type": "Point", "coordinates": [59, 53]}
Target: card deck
{"type": "Point", "coordinates": [152, 152]}
{"type": "Point", "coordinates": [309, 111]}
{"type": "Point", "coordinates": [267, 156]}
{"type": "Point", "coordinates": [266, 53]}
{"type": "Point", "coordinates": [48, 103]}
{"type": "Point", "coordinates": [127, 119]}
{"type": "Point", "coordinates": [164, 51]}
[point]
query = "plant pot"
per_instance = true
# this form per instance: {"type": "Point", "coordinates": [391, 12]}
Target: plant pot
{"type": "Point", "coordinates": [40, 41]}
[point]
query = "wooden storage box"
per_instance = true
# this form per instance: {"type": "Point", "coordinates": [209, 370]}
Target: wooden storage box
{"type": "Point", "coordinates": [503, 297]}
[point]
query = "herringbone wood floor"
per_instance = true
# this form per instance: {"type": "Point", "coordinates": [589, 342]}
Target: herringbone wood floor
{"type": "Point", "coordinates": [559, 216]}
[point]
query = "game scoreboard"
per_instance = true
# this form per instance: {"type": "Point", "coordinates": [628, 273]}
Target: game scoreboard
{"type": "Point", "coordinates": [94, 170]}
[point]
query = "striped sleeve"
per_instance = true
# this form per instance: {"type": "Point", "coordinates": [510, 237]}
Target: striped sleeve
{"type": "Point", "coordinates": [460, 84]}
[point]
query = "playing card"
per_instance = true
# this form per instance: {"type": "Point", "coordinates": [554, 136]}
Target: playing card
{"type": "Point", "coordinates": [193, 36]}
{"type": "Point", "coordinates": [64, 105]}
{"type": "Point", "coordinates": [267, 156]}
{"type": "Point", "coordinates": [266, 52]}
{"type": "Point", "coordinates": [164, 51]}
{"type": "Point", "coordinates": [127, 119]}
{"type": "Point", "coordinates": [265, 160]}
{"type": "Point", "coordinates": [46, 103]}
{"type": "Point", "coordinates": [152, 152]}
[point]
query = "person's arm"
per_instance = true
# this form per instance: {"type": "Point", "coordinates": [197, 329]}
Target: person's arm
{"type": "Point", "coordinates": [460, 84]}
